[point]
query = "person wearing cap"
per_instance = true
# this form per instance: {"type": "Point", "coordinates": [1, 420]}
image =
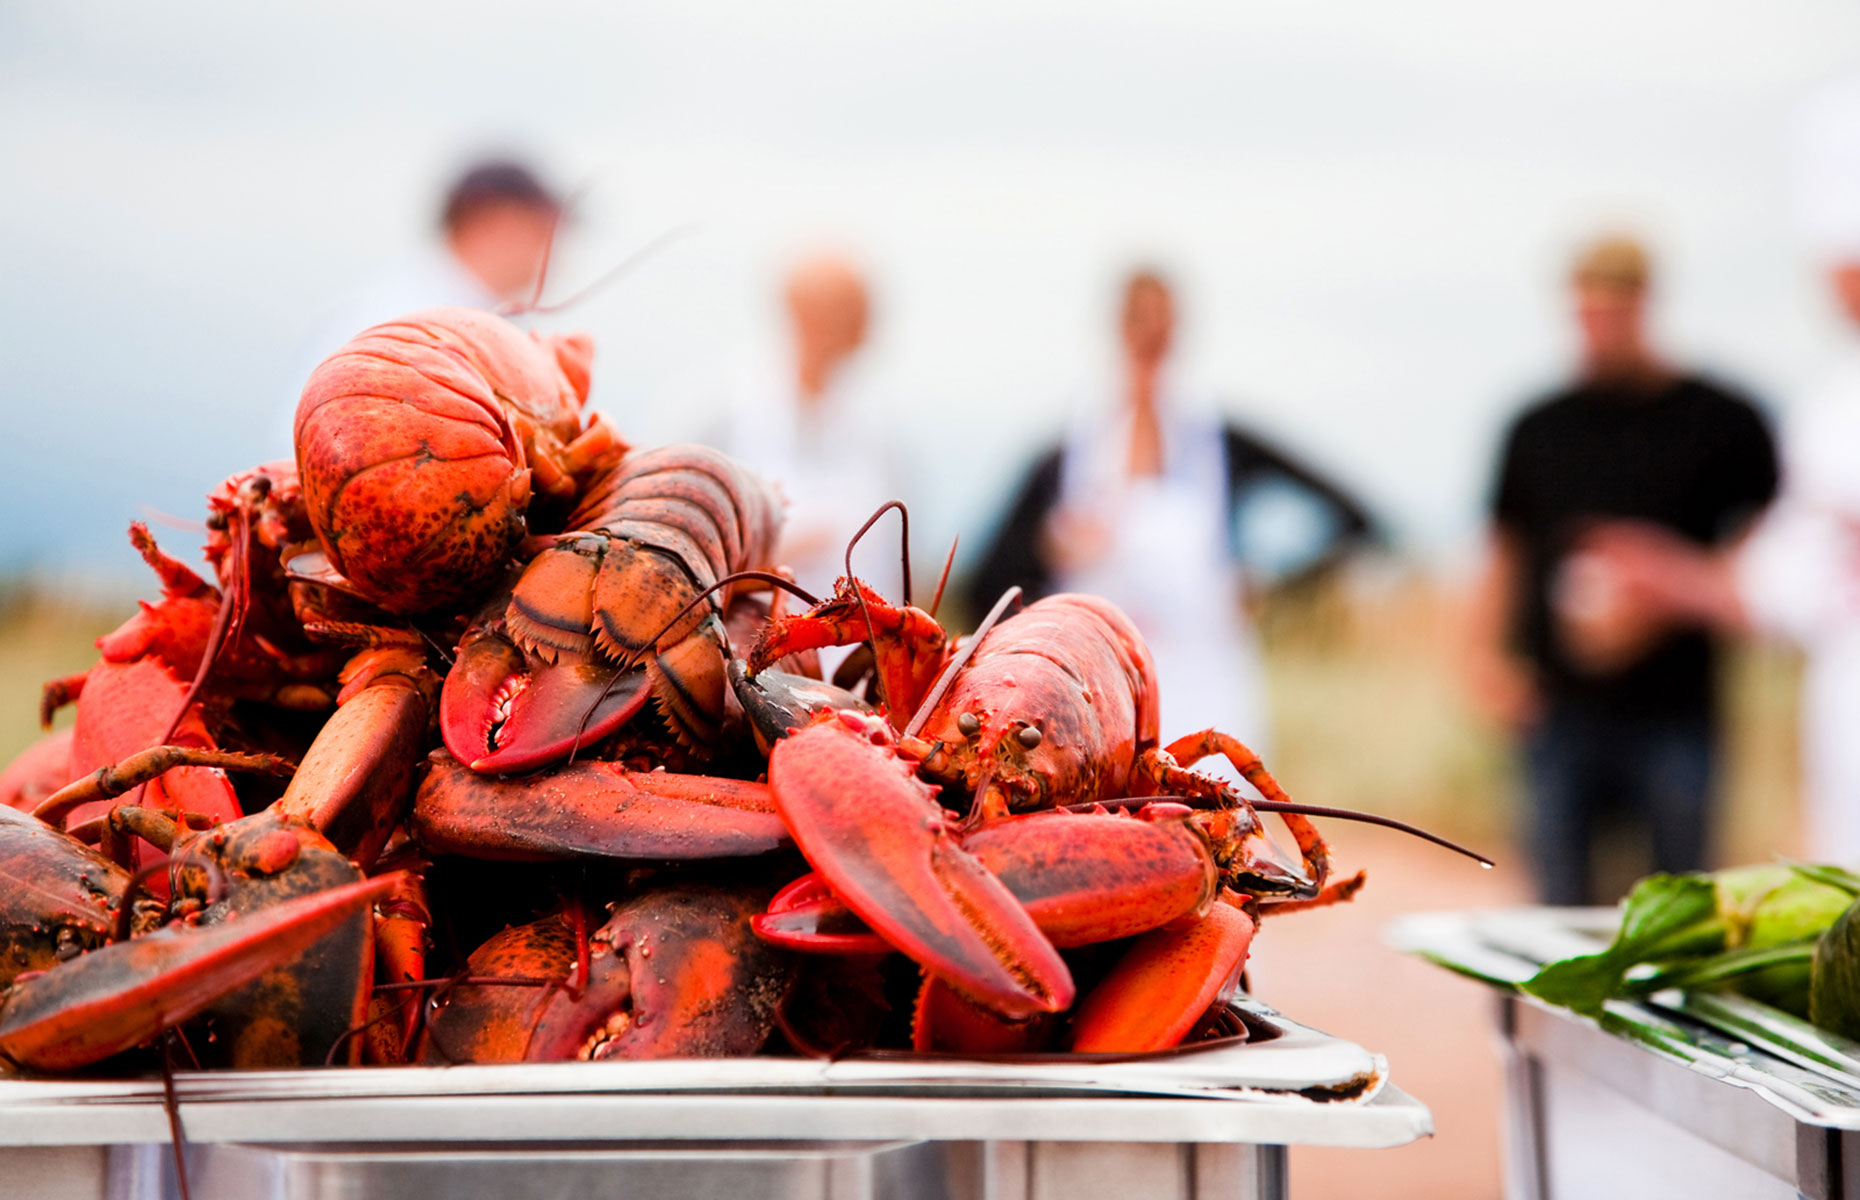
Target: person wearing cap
{"type": "Point", "coordinates": [496, 223]}
{"type": "Point", "coordinates": [1616, 706]}
{"type": "Point", "coordinates": [1797, 577]}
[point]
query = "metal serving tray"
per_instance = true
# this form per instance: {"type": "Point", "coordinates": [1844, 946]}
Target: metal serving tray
{"type": "Point", "coordinates": [1694, 1094]}
{"type": "Point", "coordinates": [1199, 1123]}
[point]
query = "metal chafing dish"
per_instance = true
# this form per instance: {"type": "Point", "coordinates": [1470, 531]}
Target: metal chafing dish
{"type": "Point", "coordinates": [1683, 1094]}
{"type": "Point", "coordinates": [1202, 1123]}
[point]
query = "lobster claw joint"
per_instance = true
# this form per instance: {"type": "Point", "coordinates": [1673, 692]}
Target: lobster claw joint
{"type": "Point", "coordinates": [502, 710]}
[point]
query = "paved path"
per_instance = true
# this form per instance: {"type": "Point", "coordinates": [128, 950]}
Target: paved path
{"type": "Point", "coordinates": [1329, 969]}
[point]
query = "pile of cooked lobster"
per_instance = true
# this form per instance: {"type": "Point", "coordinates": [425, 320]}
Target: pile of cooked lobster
{"type": "Point", "coordinates": [496, 739]}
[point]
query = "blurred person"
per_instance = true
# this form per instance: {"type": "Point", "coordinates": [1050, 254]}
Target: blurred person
{"type": "Point", "coordinates": [497, 221]}
{"type": "Point", "coordinates": [1797, 576]}
{"type": "Point", "coordinates": [1147, 505]}
{"type": "Point", "coordinates": [804, 421]}
{"type": "Point", "coordinates": [1617, 707]}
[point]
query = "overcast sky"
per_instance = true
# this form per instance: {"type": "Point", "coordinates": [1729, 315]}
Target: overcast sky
{"type": "Point", "coordinates": [1368, 203]}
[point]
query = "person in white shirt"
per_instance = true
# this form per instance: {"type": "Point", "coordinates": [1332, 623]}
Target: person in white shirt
{"type": "Point", "coordinates": [805, 422]}
{"type": "Point", "coordinates": [1158, 503]}
{"type": "Point", "coordinates": [496, 225]}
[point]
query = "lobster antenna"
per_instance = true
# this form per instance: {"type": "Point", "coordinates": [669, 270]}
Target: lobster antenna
{"type": "Point", "coordinates": [904, 554]}
{"type": "Point", "coordinates": [1307, 810]}
{"type": "Point", "coordinates": [935, 695]}
{"type": "Point", "coordinates": [171, 1106]}
{"type": "Point", "coordinates": [904, 541]}
{"type": "Point", "coordinates": [620, 270]}
{"type": "Point", "coordinates": [769, 577]}
{"type": "Point", "coordinates": [168, 520]}
{"type": "Point", "coordinates": [232, 600]}
{"type": "Point", "coordinates": [555, 228]}
{"type": "Point", "coordinates": [1349, 814]}
{"type": "Point", "coordinates": [942, 581]}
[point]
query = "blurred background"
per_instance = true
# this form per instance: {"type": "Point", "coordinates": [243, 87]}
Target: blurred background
{"type": "Point", "coordinates": [1366, 211]}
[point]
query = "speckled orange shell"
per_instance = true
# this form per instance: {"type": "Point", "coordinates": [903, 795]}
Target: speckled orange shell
{"type": "Point", "coordinates": [414, 444]}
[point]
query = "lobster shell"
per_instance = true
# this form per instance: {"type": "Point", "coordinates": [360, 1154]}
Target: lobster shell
{"type": "Point", "coordinates": [419, 443]}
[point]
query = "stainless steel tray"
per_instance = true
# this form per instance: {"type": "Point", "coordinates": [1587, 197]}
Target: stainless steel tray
{"type": "Point", "coordinates": [1811, 1074]}
{"type": "Point", "coordinates": [1694, 1095]}
{"type": "Point", "coordinates": [1203, 1122]}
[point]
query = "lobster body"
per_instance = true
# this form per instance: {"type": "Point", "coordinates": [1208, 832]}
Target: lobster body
{"type": "Point", "coordinates": [1074, 670]}
{"type": "Point", "coordinates": [422, 442]}
{"type": "Point", "coordinates": [298, 1011]}
{"type": "Point", "coordinates": [60, 898]}
{"type": "Point", "coordinates": [271, 946]}
{"type": "Point", "coordinates": [1054, 706]}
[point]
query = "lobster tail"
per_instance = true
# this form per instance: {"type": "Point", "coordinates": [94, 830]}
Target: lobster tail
{"type": "Point", "coordinates": [419, 443]}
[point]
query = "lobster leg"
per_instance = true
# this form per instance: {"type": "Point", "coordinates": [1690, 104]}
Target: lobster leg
{"type": "Point", "coordinates": [909, 647]}
{"type": "Point", "coordinates": [592, 809]}
{"type": "Point", "coordinates": [1164, 983]}
{"type": "Point", "coordinates": [876, 833]}
{"type": "Point", "coordinates": [354, 782]}
{"type": "Point", "coordinates": [402, 920]}
{"type": "Point", "coordinates": [1168, 770]}
{"type": "Point", "coordinates": [120, 996]}
{"type": "Point", "coordinates": [58, 693]}
{"type": "Point", "coordinates": [108, 782]}
{"type": "Point", "coordinates": [128, 707]}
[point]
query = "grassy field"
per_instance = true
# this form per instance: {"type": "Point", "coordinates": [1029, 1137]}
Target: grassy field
{"type": "Point", "coordinates": [1369, 712]}
{"type": "Point", "coordinates": [43, 634]}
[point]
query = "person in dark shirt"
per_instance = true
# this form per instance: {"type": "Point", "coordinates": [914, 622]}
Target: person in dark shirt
{"type": "Point", "coordinates": [1618, 710]}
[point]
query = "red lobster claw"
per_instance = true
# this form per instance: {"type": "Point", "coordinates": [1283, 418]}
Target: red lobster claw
{"type": "Point", "coordinates": [503, 711]}
{"type": "Point", "coordinates": [593, 809]}
{"type": "Point", "coordinates": [1083, 878]}
{"type": "Point", "coordinates": [674, 973]}
{"type": "Point", "coordinates": [876, 833]}
{"type": "Point", "coordinates": [1164, 983]}
{"type": "Point", "coordinates": [807, 917]}
{"type": "Point", "coordinates": [116, 998]}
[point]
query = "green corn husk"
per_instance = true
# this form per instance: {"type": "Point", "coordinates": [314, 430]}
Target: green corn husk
{"type": "Point", "coordinates": [1790, 914]}
{"type": "Point", "coordinates": [1834, 990]}
{"type": "Point", "coordinates": [1749, 929]}
{"type": "Point", "coordinates": [1664, 917]}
